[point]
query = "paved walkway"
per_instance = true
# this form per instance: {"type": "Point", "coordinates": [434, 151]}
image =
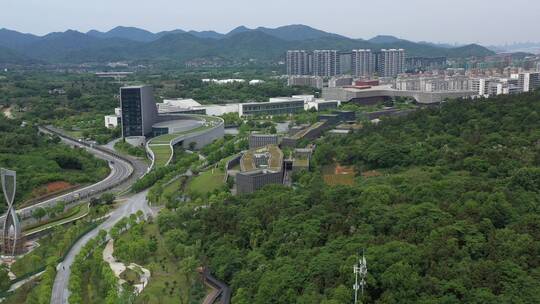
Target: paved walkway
{"type": "Point", "coordinates": [118, 268]}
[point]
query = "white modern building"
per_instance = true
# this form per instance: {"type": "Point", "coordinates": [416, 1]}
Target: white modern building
{"type": "Point", "coordinates": [113, 121]}
{"type": "Point", "coordinates": [223, 81]}
{"type": "Point", "coordinates": [322, 105]}
{"type": "Point", "coordinates": [192, 106]}
{"type": "Point", "coordinates": [527, 81]}
{"type": "Point", "coordinates": [256, 82]}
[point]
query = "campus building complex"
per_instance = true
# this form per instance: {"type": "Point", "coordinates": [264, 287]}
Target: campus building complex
{"type": "Point", "coordinates": [140, 120]}
{"type": "Point", "coordinates": [260, 140]}
{"type": "Point", "coordinates": [276, 106]}
{"type": "Point", "coordinates": [258, 168]}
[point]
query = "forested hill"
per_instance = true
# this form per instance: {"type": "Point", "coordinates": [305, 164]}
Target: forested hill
{"type": "Point", "coordinates": [262, 44]}
{"type": "Point", "coordinates": [452, 215]}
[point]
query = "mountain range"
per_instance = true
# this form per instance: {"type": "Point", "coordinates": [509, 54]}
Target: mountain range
{"type": "Point", "coordinates": [263, 44]}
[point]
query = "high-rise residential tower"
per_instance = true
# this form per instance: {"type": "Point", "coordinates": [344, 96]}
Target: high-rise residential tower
{"type": "Point", "coordinates": [326, 63]}
{"type": "Point", "coordinates": [298, 62]}
{"type": "Point", "coordinates": [528, 81]}
{"type": "Point", "coordinates": [391, 62]}
{"type": "Point", "coordinates": [363, 63]}
{"type": "Point", "coordinates": [139, 111]}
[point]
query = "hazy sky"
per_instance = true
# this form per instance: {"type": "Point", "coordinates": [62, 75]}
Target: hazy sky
{"type": "Point", "coordinates": [482, 21]}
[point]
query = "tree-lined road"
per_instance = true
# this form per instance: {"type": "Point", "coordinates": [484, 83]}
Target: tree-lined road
{"type": "Point", "coordinates": [60, 293]}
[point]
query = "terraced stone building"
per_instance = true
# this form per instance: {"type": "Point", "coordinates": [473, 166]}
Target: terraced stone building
{"type": "Point", "coordinates": [258, 168]}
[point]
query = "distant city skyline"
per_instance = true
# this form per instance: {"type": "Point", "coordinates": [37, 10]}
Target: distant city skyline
{"type": "Point", "coordinates": [494, 22]}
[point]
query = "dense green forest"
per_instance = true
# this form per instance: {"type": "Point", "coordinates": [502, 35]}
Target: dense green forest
{"type": "Point", "coordinates": [40, 159]}
{"type": "Point", "coordinates": [452, 217]}
{"type": "Point", "coordinates": [234, 92]}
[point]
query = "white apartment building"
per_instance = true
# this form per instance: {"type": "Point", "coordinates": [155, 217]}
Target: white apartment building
{"type": "Point", "coordinates": [298, 62]}
{"type": "Point", "coordinates": [527, 81]}
{"type": "Point", "coordinates": [326, 63]}
{"type": "Point", "coordinates": [362, 63]}
{"type": "Point", "coordinates": [391, 62]}
{"type": "Point", "coordinates": [113, 121]}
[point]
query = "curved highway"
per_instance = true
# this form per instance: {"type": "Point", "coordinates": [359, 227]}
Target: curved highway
{"type": "Point", "coordinates": [121, 171]}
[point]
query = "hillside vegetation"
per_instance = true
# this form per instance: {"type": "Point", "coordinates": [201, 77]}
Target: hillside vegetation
{"type": "Point", "coordinates": [40, 160]}
{"type": "Point", "coordinates": [452, 217]}
{"type": "Point", "coordinates": [263, 45]}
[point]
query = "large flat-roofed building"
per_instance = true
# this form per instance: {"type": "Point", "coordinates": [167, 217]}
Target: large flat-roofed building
{"type": "Point", "coordinates": [139, 110]}
{"type": "Point", "coordinates": [276, 106]}
{"type": "Point", "coordinates": [258, 168]}
{"type": "Point", "coordinates": [260, 140]}
{"type": "Point", "coordinates": [340, 81]}
{"type": "Point", "coordinates": [190, 106]}
{"type": "Point", "coordinates": [321, 105]}
{"type": "Point", "coordinates": [368, 95]}
{"type": "Point", "coordinates": [305, 81]}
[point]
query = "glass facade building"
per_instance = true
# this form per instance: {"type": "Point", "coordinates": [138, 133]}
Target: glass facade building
{"type": "Point", "coordinates": [139, 111]}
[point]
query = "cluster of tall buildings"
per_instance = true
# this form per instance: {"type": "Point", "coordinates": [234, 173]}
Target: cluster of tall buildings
{"type": "Point", "coordinates": [479, 86]}
{"type": "Point", "coordinates": [360, 63]}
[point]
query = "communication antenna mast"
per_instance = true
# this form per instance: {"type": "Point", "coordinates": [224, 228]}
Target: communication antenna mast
{"type": "Point", "coordinates": [360, 272]}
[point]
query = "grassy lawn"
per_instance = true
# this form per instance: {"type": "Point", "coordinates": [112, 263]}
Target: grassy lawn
{"type": "Point", "coordinates": [165, 281]}
{"type": "Point", "coordinates": [207, 182]}
{"type": "Point", "coordinates": [165, 139]}
{"type": "Point", "coordinates": [173, 187]}
{"type": "Point", "coordinates": [162, 154]}
{"type": "Point", "coordinates": [74, 134]}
